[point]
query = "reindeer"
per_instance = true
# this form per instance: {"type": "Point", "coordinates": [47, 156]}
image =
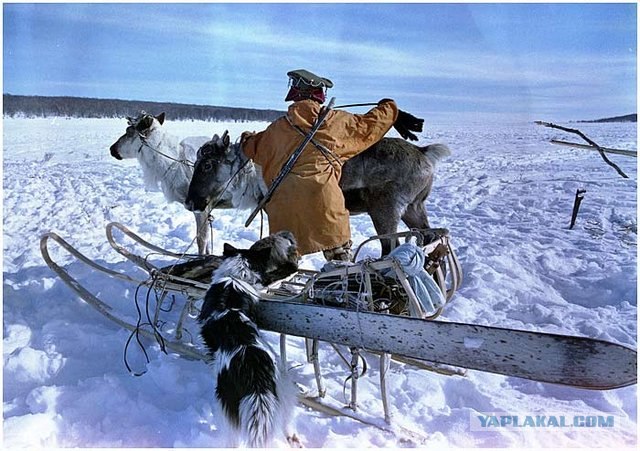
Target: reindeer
{"type": "Point", "coordinates": [390, 181]}
{"type": "Point", "coordinates": [165, 162]}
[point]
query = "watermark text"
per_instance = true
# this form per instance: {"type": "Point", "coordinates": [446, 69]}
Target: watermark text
{"type": "Point", "coordinates": [507, 421]}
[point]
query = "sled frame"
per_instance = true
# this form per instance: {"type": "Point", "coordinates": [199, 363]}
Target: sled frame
{"type": "Point", "coordinates": [296, 287]}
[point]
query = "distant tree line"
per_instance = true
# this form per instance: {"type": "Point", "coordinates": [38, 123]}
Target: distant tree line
{"type": "Point", "coordinates": [82, 107]}
{"type": "Point", "coordinates": [625, 118]}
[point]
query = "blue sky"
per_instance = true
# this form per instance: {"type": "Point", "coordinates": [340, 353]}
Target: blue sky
{"type": "Point", "coordinates": [443, 61]}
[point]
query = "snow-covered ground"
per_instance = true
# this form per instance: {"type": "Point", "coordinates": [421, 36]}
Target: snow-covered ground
{"type": "Point", "coordinates": [506, 195]}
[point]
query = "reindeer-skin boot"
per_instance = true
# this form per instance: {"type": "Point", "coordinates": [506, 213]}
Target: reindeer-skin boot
{"type": "Point", "coordinates": [341, 253]}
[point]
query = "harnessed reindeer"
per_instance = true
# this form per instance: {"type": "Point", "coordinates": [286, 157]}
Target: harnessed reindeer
{"type": "Point", "coordinates": [390, 181]}
{"type": "Point", "coordinates": [166, 163]}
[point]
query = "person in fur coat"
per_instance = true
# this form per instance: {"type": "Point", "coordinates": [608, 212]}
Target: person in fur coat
{"type": "Point", "coordinates": [309, 202]}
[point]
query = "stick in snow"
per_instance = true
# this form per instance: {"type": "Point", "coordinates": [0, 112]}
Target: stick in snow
{"type": "Point", "coordinates": [576, 206]}
{"type": "Point", "coordinates": [594, 144]}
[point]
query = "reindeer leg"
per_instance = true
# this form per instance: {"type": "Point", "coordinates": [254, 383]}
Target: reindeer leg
{"type": "Point", "coordinates": [415, 217]}
{"type": "Point", "coordinates": [385, 220]}
{"type": "Point", "coordinates": [208, 225]}
{"type": "Point", "coordinates": [201, 232]}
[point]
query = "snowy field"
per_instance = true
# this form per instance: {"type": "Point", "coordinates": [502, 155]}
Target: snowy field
{"type": "Point", "coordinates": [505, 194]}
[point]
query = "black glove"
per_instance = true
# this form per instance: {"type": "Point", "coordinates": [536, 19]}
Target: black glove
{"type": "Point", "coordinates": [407, 123]}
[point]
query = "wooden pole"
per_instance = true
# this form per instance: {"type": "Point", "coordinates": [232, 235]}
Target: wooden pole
{"type": "Point", "coordinates": [627, 153]}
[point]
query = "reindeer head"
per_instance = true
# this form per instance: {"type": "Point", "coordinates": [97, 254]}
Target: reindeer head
{"type": "Point", "coordinates": [212, 171]}
{"type": "Point", "coordinates": [131, 143]}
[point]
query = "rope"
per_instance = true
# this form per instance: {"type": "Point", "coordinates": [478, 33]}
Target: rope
{"type": "Point", "coordinates": [210, 220]}
{"type": "Point", "coordinates": [154, 285]}
{"type": "Point", "coordinates": [154, 327]}
{"type": "Point", "coordinates": [136, 333]}
{"type": "Point", "coordinates": [351, 376]}
{"type": "Point", "coordinates": [146, 143]}
{"type": "Point", "coordinates": [226, 187]}
{"type": "Point", "coordinates": [325, 151]}
{"type": "Point", "coordinates": [356, 104]}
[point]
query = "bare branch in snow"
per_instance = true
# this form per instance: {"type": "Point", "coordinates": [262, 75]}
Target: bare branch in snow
{"type": "Point", "coordinates": [591, 142]}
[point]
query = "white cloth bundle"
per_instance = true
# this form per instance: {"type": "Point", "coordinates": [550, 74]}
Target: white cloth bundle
{"type": "Point", "coordinates": [412, 258]}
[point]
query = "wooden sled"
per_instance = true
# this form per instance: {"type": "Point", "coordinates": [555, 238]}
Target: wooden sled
{"type": "Point", "coordinates": [186, 278]}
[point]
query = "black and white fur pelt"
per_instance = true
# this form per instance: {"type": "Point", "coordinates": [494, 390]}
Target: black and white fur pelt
{"type": "Point", "coordinates": [251, 386]}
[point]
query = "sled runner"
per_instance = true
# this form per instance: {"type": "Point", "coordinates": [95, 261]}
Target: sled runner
{"type": "Point", "coordinates": [371, 305]}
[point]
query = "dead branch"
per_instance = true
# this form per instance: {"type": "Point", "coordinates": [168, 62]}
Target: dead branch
{"type": "Point", "coordinates": [591, 142]}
